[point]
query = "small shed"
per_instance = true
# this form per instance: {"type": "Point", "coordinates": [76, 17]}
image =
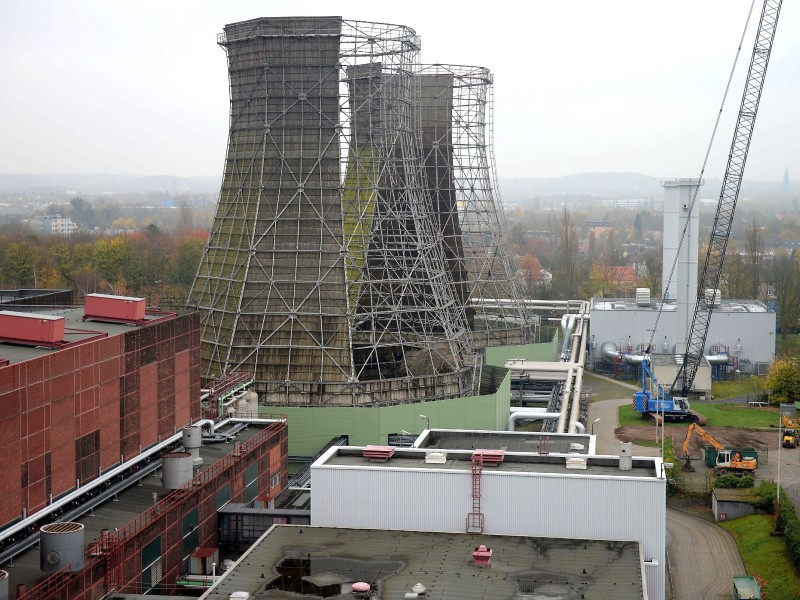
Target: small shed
{"type": "Point", "coordinates": [729, 504]}
{"type": "Point", "coordinates": [746, 588]}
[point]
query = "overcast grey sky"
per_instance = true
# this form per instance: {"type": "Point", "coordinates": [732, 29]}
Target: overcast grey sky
{"type": "Point", "coordinates": [140, 87]}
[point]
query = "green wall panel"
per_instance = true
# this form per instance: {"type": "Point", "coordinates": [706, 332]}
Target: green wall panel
{"type": "Point", "coordinates": [313, 427]}
{"type": "Point", "coordinates": [540, 352]}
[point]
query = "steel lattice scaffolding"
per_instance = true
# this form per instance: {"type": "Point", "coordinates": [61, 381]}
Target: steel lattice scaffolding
{"type": "Point", "coordinates": [455, 126]}
{"type": "Point", "coordinates": [324, 273]}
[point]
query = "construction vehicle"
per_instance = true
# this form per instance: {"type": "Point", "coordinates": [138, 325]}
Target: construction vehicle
{"type": "Point", "coordinates": [724, 460]}
{"type": "Point", "coordinates": [790, 437]}
{"type": "Point", "coordinates": [788, 422]}
{"type": "Point", "coordinates": [677, 407]}
{"type": "Point", "coordinates": [654, 401]}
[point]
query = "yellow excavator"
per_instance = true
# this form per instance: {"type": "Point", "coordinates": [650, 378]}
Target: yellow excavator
{"type": "Point", "coordinates": [788, 422]}
{"type": "Point", "coordinates": [723, 460]}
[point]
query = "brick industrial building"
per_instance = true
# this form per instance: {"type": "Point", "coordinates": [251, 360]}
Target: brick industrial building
{"type": "Point", "coordinates": [88, 391]}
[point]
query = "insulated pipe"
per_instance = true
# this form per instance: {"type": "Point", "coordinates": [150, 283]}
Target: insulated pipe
{"type": "Point", "coordinates": [717, 359]}
{"type": "Point", "coordinates": [530, 416]}
{"type": "Point", "coordinates": [203, 422]}
{"type": "Point", "coordinates": [76, 494]}
{"type": "Point", "coordinates": [576, 402]}
{"type": "Point", "coordinates": [580, 427]}
{"type": "Point", "coordinates": [609, 350]}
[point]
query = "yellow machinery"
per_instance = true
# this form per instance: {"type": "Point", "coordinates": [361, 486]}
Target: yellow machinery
{"type": "Point", "coordinates": [788, 422]}
{"type": "Point", "coordinates": [723, 459]}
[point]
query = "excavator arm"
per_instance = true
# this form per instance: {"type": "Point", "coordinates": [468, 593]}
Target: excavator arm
{"type": "Point", "coordinates": [707, 437]}
{"type": "Point", "coordinates": [720, 232]}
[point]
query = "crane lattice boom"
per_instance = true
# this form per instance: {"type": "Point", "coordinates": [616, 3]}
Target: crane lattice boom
{"type": "Point", "coordinates": [712, 269]}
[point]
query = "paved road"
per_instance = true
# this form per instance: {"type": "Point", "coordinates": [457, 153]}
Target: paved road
{"type": "Point", "coordinates": [703, 557]}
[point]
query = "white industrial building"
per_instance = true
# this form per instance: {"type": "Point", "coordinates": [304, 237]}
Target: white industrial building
{"type": "Point", "coordinates": [497, 493]}
{"type": "Point", "coordinates": [741, 334]}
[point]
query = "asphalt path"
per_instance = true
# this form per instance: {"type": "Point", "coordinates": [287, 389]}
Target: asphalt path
{"type": "Point", "coordinates": [703, 557]}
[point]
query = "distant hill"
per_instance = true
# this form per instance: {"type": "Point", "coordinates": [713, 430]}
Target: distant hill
{"type": "Point", "coordinates": [107, 183]}
{"type": "Point", "coordinates": [521, 191]}
{"type": "Point", "coordinates": [515, 190]}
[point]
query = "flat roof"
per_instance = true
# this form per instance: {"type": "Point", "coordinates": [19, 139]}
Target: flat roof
{"type": "Point", "coordinates": [461, 460]}
{"type": "Point", "coordinates": [131, 502]}
{"type": "Point", "coordinates": [511, 441]}
{"type": "Point", "coordinates": [75, 330]}
{"type": "Point", "coordinates": [394, 561]}
{"type": "Point", "coordinates": [629, 304]}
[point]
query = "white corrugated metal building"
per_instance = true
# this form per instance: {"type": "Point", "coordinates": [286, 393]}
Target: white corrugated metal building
{"type": "Point", "coordinates": [524, 495]}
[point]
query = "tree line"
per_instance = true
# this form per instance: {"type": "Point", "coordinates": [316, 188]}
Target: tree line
{"type": "Point", "coordinates": [573, 256]}
{"type": "Point", "coordinates": [142, 263]}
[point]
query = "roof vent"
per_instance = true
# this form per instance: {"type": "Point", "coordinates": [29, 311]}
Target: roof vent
{"type": "Point", "coordinates": [378, 453]}
{"type": "Point", "coordinates": [436, 458]}
{"type": "Point", "coordinates": [239, 596]}
{"type": "Point", "coordinates": [360, 589]}
{"type": "Point", "coordinates": [114, 309]}
{"type": "Point", "coordinates": [625, 456]}
{"type": "Point", "coordinates": [482, 556]}
{"type": "Point", "coordinates": [576, 462]}
{"type": "Point", "coordinates": [31, 329]}
{"type": "Point", "coordinates": [642, 296]}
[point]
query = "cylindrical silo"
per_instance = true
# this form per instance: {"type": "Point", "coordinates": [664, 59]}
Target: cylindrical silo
{"type": "Point", "coordinates": [60, 545]}
{"type": "Point", "coordinates": [176, 469]}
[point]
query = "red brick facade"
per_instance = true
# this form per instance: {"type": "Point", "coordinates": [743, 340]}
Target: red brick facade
{"type": "Point", "coordinates": [70, 413]}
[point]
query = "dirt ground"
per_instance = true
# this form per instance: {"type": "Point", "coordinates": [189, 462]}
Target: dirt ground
{"type": "Point", "coordinates": [725, 435]}
{"type": "Point", "coordinates": [765, 441]}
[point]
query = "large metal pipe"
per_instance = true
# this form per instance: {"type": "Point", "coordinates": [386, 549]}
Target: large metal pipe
{"type": "Point", "coordinates": [145, 455]}
{"type": "Point", "coordinates": [529, 416]}
{"type": "Point", "coordinates": [609, 351]}
{"type": "Point", "coordinates": [718, 359]}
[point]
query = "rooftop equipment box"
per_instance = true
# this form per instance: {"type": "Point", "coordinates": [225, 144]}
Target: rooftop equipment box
{"type": "Point", "coordinates": [31, 327]}
{"type": "Point", "coordinates": [123, 308]}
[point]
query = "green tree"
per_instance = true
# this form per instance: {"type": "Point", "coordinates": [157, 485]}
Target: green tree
{"type": "Point", "coordinates": [19, 264]}
{"type": "Point", "coordinates": [786, 280]}
{"type": "Point", "coordinates": [190, 251]}
{"type": "Point", "coordinates": [783, 378]}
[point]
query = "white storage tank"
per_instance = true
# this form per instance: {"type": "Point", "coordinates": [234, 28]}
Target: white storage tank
{"type": "Point", "coordinates": [3, 585]}
{"type": "Point", "coordinates": [192, 441]}
{"type": "Point", "coordinates": [176, 469]}
{"type": "Point", "coordinates": [61, 545]}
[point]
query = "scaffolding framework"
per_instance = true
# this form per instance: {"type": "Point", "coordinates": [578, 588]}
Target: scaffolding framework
{"type": "Point", "coordinates": [325, 270]}
{"type": "Point", "coordinates": [455, 125]}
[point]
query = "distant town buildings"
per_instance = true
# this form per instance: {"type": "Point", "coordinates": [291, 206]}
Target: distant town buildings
{"type": "Point", "coordinates": [54, 225]}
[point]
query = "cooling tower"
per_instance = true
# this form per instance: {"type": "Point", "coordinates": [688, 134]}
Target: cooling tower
{"type": "Point", "coordinates": [455, 124]}
{"type": "Point", "coordinates": [324, 273]}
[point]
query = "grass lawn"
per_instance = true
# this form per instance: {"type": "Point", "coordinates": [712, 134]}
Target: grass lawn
{"type": "Point", "coordinates": [765, 556]}
{"type": "Point", "coordinates": [604, 389]}
{"type": "Point", "coordinates": [744, 386]}
{"type": "Point", "coordinates": [720, 415]}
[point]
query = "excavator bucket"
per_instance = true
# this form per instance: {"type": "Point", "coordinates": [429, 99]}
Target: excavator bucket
{"type": "Point", "coordinates": [687, 466]}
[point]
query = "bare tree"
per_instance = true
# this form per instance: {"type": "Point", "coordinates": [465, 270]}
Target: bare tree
{"type": "Point", "coordinates": [754, 249]}
{"type": "Point", "coordinates": [568, 257]}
